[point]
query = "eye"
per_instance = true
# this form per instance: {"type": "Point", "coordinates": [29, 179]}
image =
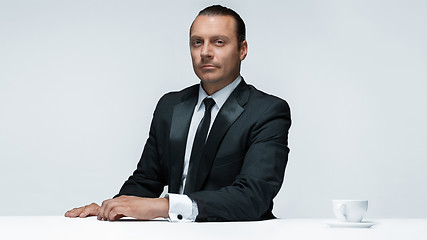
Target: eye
{"type": "Point", "coordinates": [196, 43]}
{"type": "Point", "coordinates": [219, 42]}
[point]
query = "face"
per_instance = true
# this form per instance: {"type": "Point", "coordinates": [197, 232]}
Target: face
{"type": "Point", "coordinates": [214, 51]}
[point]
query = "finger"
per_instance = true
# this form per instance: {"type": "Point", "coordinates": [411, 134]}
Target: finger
{"type": "Point", "coordinates": [110, 207]}
{"type": "Point", "coordinates": [116, 213]}
{"type": "Point", "coordinates": [105, 208]}
{"type": "Point", "coordinates": [96, 209]}
{"type": "Point", "coordinates": [119, 216]}
{"type": "Point", "coordinates": [68, 213]}
{"type": "Point", "coordinates": [74, 212]}
{"type": "Point", "coordinates": [89, 210]}
{"type": "Point", "coordinates": [101, 210]}
{"type": "Point", "coordinates": [85, 212]}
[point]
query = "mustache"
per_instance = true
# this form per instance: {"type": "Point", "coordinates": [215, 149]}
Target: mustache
{"type": "Point", "coordinates": [208, 65]}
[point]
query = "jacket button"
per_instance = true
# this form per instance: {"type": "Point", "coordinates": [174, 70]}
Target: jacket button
{"type": "Point", "coordinates": [179, 217]}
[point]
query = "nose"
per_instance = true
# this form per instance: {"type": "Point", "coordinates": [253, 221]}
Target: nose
{"type": "Point", "coordinates": [206, 51]}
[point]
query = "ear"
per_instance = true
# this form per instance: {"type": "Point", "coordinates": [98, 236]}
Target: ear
{"type": "Point", "coordinates": [243, 50]}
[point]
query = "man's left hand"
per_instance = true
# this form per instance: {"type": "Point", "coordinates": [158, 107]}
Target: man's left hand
{"type": "Point", "coordinates": [136, 207]}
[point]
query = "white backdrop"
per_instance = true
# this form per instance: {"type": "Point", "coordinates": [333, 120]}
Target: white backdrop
{"type": "Point", "coordinates": [79, 81]}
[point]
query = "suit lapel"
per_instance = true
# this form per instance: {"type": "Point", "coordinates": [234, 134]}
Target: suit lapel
{"type": "Point", "coordinates": [181, 118]}
{"type": "Point", "coordinates": [229, 112]}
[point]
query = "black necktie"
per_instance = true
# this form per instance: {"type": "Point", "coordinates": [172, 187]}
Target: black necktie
{"type": "Point", "coordinates": [198, 144]}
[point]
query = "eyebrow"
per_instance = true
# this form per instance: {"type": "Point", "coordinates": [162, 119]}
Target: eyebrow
{"type": "Point", "coordinates": [215, 36]}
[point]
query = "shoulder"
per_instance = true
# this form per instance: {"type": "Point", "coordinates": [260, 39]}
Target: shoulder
{"type": "Point", "coordinates": [263, 101]}
{"type": "Point", "coordinates": [267, 113]}
{"type": "Point", "coordinates": [179, 96]}
{"type": "Point", "coordinates": [170, 99]}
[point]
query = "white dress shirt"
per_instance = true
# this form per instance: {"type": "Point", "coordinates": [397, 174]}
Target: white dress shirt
{"type": "Point", "coordinates": [181, 207]}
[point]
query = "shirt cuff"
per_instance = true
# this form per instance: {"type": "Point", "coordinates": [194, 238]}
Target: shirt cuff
{"type": "Point", "coordinates": [181, 208]}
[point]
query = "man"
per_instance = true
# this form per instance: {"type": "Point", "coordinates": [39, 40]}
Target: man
{"type": "Point", "coordinates": [220, 146]}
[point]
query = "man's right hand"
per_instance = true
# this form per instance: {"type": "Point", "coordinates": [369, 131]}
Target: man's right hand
{"type": "Point", "coordinates": [85, 211]}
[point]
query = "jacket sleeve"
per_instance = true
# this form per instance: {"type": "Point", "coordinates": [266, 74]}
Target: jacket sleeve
{"type": "Point", "coordinates": [250, 195]}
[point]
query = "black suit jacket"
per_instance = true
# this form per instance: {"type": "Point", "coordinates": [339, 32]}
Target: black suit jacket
{"type": "Point", "coordinates": [244, 160]}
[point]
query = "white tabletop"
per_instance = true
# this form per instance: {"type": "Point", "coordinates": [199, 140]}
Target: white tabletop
{"type": "Point", "coordinates": [58, 227]}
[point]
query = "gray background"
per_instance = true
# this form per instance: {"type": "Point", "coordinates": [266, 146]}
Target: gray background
{"type": "Point", "coordinates": [79, 81]}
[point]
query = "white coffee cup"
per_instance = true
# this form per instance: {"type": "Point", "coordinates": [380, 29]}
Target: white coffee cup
{"type": "Point", "coordinates": [350, 210]}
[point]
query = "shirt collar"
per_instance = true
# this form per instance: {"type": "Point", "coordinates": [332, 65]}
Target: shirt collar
{"type": "Point", "coordinates": [220, 96]}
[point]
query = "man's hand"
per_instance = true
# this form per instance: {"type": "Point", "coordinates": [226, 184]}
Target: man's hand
{"type": "Point", "coordinates": [136, 207]}
{"type": "Point", "coordinates": [85, 211]}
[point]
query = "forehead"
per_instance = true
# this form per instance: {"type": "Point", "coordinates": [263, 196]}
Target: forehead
{"type": "Point", "coordinates": [205, 26]}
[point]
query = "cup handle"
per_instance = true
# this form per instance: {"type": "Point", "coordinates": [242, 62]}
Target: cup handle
{"type": "Point", "coordinates": [343, 210]}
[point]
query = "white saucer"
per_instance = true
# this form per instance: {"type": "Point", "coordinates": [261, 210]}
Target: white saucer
{"type": "Point", "coordinates": [363, 224]}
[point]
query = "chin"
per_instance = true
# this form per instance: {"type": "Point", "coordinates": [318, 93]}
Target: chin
{"type": "Point", "coordinates": [205, 78]}
{"type": "Point", "coordinates": [209, 80]}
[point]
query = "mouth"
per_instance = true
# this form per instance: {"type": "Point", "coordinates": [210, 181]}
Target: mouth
{"type": "Point", "coordinates": [208, 66]}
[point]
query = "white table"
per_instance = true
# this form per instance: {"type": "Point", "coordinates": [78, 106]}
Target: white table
{"type": "Point", "coordinates": [58, 227]}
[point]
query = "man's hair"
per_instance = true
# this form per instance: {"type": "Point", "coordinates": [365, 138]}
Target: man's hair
{"type": "Point", "coordinates": [218, 10]}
